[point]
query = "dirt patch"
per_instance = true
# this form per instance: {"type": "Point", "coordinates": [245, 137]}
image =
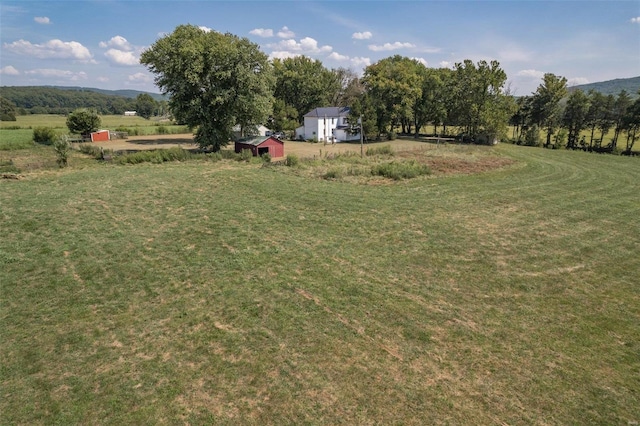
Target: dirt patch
{"type": "Point", "coordinates": [139, 143]}
{"type": "Point", "coordinates": [446, 165]}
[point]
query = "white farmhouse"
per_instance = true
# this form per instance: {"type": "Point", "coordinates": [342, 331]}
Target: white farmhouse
{"type": "Point", "coordinates": [327, 125]}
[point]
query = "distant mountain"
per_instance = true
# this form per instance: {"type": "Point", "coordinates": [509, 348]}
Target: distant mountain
{"type": "Point", "coordinates": [612, 87]}
{"type": "Point", "coordinates": [62, 100]}
{"type": "Point", "coordinates": [132, 94]}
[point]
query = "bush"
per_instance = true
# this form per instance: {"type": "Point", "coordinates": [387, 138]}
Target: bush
{"type": "Point", "coordinates": [266, 157]}
{"type": "Point", "coordinates": [292, 160]}
{"type": "Point", "coordinates": [400, 170]}
{"type": "Point", "coordinates": [162, 130]}
{"type": "Point", "coordinates": [245, 155]}
{"type": "Point", "coordinates": [379, 150]}
{"type": "Point", "coordinates": [332, 174]}
{"type": "Point", "coordinates": [391, 135]}
{"type": "Point", "coordinates": [532, 136]}
{"type": "Point", "coordinates": [156, 156]}
{"type": "Point", "coordinates": [62, 147]}
{"type": "Point", "coordinates": [44, 135]}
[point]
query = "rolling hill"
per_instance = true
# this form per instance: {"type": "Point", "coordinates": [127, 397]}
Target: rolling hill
{"type": "Point", "coordinates": [612, 87]}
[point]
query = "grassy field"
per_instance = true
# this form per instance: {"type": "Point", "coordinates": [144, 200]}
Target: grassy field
{"type": "Point", "coordinates": [230, 293]}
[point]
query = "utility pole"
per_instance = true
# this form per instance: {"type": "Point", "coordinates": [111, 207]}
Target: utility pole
{"type": "Point", "coordinates": [361, 138]}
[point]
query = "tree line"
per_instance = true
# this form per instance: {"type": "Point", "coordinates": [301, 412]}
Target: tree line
{"type": "Point", "coordinates": [216, 81]}
{"type": "Point", "coordinates": [18, 100]}
{"type": "Point", "coordinates": [564, 119]}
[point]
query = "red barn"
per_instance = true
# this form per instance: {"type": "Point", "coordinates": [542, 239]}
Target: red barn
{"type": "Point", "coordinates": [262, 145]}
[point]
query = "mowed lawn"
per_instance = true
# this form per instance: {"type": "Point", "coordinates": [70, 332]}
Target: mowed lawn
{"type": "Point", "coordinates": [228, 293]}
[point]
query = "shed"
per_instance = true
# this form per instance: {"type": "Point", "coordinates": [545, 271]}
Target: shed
{"type": "Point", "coordinates": [262, 145]}
{"type": "Point", "coordinates": [100, 135]}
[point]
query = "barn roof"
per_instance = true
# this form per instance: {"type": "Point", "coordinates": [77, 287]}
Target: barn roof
{"type": "Point", "coordinates": [257, 141]}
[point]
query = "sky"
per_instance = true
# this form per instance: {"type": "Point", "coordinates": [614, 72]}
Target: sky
{"type": "Point", "coordinates": [98, 43]}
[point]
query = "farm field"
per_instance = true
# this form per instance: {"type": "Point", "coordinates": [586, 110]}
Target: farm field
{"type": "Point", "coordinates": [229, 293]}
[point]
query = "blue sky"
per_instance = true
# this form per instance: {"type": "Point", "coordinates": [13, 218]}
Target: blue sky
{"type": "Point", "coordinates": [98, 43]}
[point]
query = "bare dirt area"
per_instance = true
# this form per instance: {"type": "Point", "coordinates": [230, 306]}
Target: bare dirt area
{"type": "Point", "coordinates": [139, 143]}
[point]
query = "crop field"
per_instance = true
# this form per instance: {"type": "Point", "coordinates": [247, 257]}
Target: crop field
{"type": "Point", "coordinates": [502, 288]}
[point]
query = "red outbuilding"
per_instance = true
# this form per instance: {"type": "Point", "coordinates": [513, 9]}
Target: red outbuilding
{"type": "Point", "coordinates": [262, 145]}
{"type": "Point", "coordinates": [100, 135]}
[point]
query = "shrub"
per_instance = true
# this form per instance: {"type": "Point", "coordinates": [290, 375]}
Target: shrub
{"type": "Point", "coordinates": [332, 174]}
{"type": "Point", "coordinates": [379, 150]}
{"type": "Point", "coordinates": [266, 157]}
{"type": "Point", "coordinates": [156, 156]}
{"type": "Point", "coordinates": [292, 160]}
{"type": "Point", "coordinates": [162, 130]}
{"type": "Point", "coordinates": [400, 170]}
{"type": "Point", "coordinates": [44, 135]}
{"type": "Point", "coordinates": [560, 139]}
{"type": "Point", "coordinates": [391, 135]}
{"type": "Point", "coordinates": [532, 136]}
{"type": "Point", "coordinates": [62, 147]}
{"type": "Point", "coordinates": [245, 155]}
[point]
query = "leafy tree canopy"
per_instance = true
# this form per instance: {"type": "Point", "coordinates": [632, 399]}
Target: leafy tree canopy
{"type": "Point", "coordinates": [83, 121]}
{"type": "Point", "coordinates": [215, 81]}
{"type": "Point", "coordinates": [7, 110]}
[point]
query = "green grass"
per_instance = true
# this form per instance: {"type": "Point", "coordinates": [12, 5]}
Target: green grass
{"type": "Point", "coordinates": [229, 293]}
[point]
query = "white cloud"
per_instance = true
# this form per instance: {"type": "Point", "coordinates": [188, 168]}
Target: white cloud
{"type": "Point", "coordinates": [359, 61]}
{"type": "Point", "coordinates": [103, 79]}
{"type": "Point", "coordinates": [422, 61]}
{"type": "Point", "coordinates": [42, 20]}
{"type": "Point", "coordinates": [9, 70]}
{"type": "Point", "coordinates": [356, 61]}
{"type": "Point", "coordinates": [117, 42]}
{"type": "Point", "coordinates": [59, 74]}
{"type": "Point", "coordinates": [52, 49]}
{"type": "Point", "coordinates": [120, 57]}
{"type": "Point", "coordinates": [531, 73]}
{"type": "Point", "coordinates": [577, 81]}
{"type": "Point", "coordinates": [390, 46]}
{"type": "Point", "coordinates": [307, 45]}
{"type": "Point", "coordinates": [139, 78]}
{"type": "Point", "coordinates": [262, 32]}
{"type": "Point", "coordinates": [283, 54]}
{"type": "Point", "coordinates": [338, 57]}
{"type": "Point", "coordinates": [362, 36]}
{"type": "Point", "coordinates": [310, 45]}
{"type": "Point", "coordinates": [205, 29]}
{"type": "Point", "coordinates": [446, 64]}
{"type": "Point", "coordinates": [635, 20]}
{"type": "Point", "coordinates": [286, 33]}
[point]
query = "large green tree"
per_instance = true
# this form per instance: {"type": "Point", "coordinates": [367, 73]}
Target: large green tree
{"type": "Point", "coordinates": [215, 81]}
{"type": "Point", "coordinates": [146, 106]}
{"type": "Point", "coordinates": [575, 116]}
{"type": "Point", "coordinates": [545, 108]}
{"type": "Point", "coordinates": [620, 106]}
{"type": "Point", "coordinates": [394, 85]}
{"type": "Point", "coordinates": [479, 102]}
{"type": "Point", "coordinates": [83, 121]}
{"type": "Point", "coordinates": [304, 84]}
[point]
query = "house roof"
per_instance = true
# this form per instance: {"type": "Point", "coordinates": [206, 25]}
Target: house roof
{"type": "Point", "coordinates": [257, 141]}
{"type": "Point", "coordinates": [329, 112]}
